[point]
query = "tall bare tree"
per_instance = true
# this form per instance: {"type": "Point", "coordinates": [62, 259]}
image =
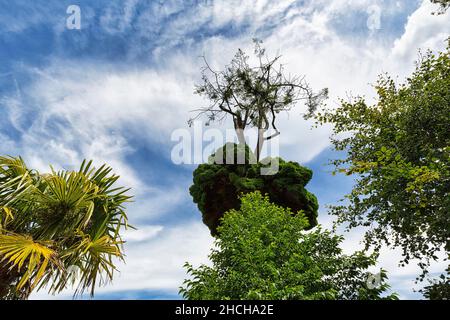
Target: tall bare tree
{"type": "Point", "coordinates": [253, 95]}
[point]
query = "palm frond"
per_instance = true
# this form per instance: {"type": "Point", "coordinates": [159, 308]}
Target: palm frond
{"type": "Point", "coordinates": [5, 216]}
{"type": "Point", "coordinates": [61, 228]}
{"type": "Point", "coordinates": [15, 180]}
{"type": "Point", "coordinates": [11, 166]}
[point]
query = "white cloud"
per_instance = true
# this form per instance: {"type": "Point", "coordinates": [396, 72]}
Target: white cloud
{"type": "Point", "coordinates": [155, 202]}
{"type": "Point", "coordinates": [423, 30]}
{"type": "Point", "coordinates": [141, 233]}
{"type": "Point", "coordinates": [401, 279]}
{"type": "Point", "coordinates": [99, 103]}
{"type": "Point", "coordinates": [6, 144]}
{"type": "Point", "coordinates": [87, 111]}
{"type": "Point", "coordinates": [154, 259]}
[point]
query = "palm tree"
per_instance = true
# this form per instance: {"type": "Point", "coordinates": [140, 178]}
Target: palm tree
{"type": "Point", "coordinates": [58, 230]}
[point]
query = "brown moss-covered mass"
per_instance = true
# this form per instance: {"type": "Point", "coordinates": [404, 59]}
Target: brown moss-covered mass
{"type": "Point", "coordinates": [218, 185]}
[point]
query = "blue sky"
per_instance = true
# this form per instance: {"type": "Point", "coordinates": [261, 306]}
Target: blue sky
{"type": "Point", "coordinates": [116, 89]}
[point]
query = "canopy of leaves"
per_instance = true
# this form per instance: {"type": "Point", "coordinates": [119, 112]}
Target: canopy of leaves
{"type": "Point", "coordinates": [263, 252]}
{"type": "Point", "coordinates": [217, 185]}
{"type": "Point", "coordinates": [58, 229]}
{"type": "Point", "coordinates": [399, 149]}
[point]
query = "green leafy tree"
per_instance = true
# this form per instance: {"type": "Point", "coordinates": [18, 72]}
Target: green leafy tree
{"type": "Point", "coordinates": [58, 229]}
{"type": "Point", "coordinates": [217, 185]}
{"type": "Point", "coordinates": [253, 95]}
{"type": "Point", "coordinates": [399, 151]}
{"type": "Point", "coordinates": [263, 252]}
{"type": "Point", "coordinates": [438, 289]}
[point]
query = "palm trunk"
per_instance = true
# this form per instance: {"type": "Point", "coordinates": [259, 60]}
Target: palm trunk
{"type": "Point", "coordinates": [7, 279]}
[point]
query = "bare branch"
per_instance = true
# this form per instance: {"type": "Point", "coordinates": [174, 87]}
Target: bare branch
{"type": "Point", "coordinates": [253, 96]}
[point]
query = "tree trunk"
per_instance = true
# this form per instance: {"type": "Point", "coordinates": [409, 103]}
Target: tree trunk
{"type": "Point", "coordinates": [259, 144]}
{"type": "Point", "coordinates": [239, 128]}
{"type": "Point", "coordinates": [7, 279]}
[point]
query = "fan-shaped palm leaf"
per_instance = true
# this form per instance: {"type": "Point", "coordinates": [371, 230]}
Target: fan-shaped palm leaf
{"type": "Point", "coordinates": [23, 252]}
{"type": "Point", "coordinates": [67, 225]}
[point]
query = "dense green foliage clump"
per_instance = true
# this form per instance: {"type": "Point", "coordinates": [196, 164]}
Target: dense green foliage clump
{"type": "Point", "coordinates": [399, 151]}
{"type": "Point", "coordinates": [217, 185]}
{"type": "Point", "coordinates": [263, 252]}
